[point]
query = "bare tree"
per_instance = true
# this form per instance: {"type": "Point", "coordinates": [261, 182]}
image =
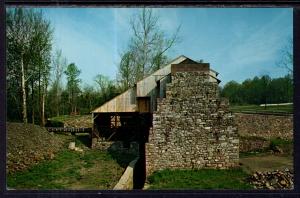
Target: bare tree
{"type": "Point", "coordinates": [147, 47]}
{"type": "Point", "coordinates": [286, 61]}
{"type": "Point", "coordinates": [105, 85]}
{"type": "Point", "coordinates": [59, 64]}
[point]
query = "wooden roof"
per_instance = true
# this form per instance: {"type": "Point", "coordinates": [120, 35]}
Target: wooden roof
{"type": "Point", "coordinates": [126, 102]}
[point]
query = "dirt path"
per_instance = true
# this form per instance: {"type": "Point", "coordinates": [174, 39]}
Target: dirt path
{"type": "Point", "coordinates": [266, 163]}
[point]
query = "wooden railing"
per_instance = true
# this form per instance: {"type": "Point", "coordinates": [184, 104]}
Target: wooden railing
{"type": "Point", "coordinates": [69, 129]}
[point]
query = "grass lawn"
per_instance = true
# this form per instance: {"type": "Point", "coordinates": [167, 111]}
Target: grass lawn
{"type": "Point", "coordinates": [92, 169]}
{"type": "Point", "coordinates": [199, 179]}
{"type": "Point", "coordinates": [257, 109]}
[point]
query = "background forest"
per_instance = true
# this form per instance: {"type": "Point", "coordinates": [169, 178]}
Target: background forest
{"type": "Point", "coordinates": [36, 71]}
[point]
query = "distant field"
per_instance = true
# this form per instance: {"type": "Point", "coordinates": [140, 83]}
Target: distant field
{"type": "Point", "coordinates": [259, 109]}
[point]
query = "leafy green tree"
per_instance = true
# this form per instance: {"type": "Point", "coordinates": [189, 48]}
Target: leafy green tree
{"type": "Point", "coordinates": [232, 90]}
{"type": "Point", "coordinates": [28, 38]}
{"type": "Point", "coordinates": [88, 99]}
{"type": "Point", "coordinates": [19, 31]}
{"type": "Point", "coordinates": [265, 90]}
{"type": "Point", "coordinates": [261, 90]}
{"type": "Point", "coordinates": [72, 73]}
{"type": "Point", "coordinates": [125, 71]}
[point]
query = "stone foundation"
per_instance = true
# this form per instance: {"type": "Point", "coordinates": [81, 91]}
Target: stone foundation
{"type": "Point", "coordinates": [192, 127]}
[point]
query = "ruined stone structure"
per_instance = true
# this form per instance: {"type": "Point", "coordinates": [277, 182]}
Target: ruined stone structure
{"type": "Point", "coordinates": [265, 126]}
{"type": "Point", "coordinates": [177, 117]}
{"type": "Point", "coordinates": [192, 127]}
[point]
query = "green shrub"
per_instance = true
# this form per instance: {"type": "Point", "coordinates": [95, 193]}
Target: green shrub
{"type": "Point", "coordinates": [285, 145]}
{"type": "Point", "coordinates": [84, 111]}
{"type": "Point", "coordinates": [54, 123]}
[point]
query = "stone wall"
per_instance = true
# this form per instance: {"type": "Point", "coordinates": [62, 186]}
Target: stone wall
{"type": "Point", "coordinates": [252, 143]}
{"type": "Point", "coordinates": [266, 126]}
{"type": "Point", "coordinates": [192, 127]}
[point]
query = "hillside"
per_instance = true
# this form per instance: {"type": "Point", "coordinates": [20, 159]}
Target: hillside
{"type": "Point", "coordinates": [27, 144]}
{"type": "Point", "coordinates": [81, 121]}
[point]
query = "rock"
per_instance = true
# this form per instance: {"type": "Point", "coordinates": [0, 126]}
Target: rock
{"type": "Point", "coordinates": [72, 146]}
{"type": "Point", "coordinates": [272, 179]}
{"type": "Point", "coordinates": [255, 176]}
{"type": "Point", "coordinates": [51, 156]}
{"type": "Point", "coordinates": [278, 150]}
{"type": "Point", "coordinates": [78, 149]}
{"type": "Point", "coordinates": [282, 182]}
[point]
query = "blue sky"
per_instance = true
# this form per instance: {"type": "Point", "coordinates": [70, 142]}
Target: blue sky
{"type": "Point", "coordinates": [239, 43]}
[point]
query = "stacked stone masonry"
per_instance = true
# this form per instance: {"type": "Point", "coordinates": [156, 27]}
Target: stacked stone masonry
{"type": "Point", "coordinates": [192, 127]}
{"type": "Point", "coordinates": [265, 126]}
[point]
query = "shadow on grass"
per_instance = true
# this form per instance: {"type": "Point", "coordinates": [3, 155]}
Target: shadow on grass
{"type": "Point", "coordinates": [83, 139]}
{"type": "Point", "coordinates": [126, 155]}
{"type": "Point", "coordinates": [123, 156]}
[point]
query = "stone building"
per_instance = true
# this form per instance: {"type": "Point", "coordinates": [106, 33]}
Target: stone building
{"type": "Point", "coordinates": [176, 116]}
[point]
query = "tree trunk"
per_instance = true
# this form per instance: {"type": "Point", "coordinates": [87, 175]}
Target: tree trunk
{"type": "Point", "coordinates": [43, 102]}
{"type": "Point", "coordinates": [43, 109]}
{"type": "Point", "coordinates": [24, 91]}
{"type": "Point", "coordinates": [33, 103]}
{"type": "Point", "coordinates": [72, 101]}
{"type": "Point", "coordinates": [90, 102]}
{"type": "Point", "coordinates": [39, 102]}
{"type": "Point", "coordinates": [57, 100]}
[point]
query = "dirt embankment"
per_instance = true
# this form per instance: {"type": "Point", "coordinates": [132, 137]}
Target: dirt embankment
{"type": "Point", "coordinates": [27, 144]}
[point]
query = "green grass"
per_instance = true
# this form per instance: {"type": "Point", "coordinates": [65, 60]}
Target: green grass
{"type": "Point", "coordinates": [258, 152]}
{"type": "Point", "coordinates": [287, 146]}
{"type": "Point", "coordinates": [92, 169]}
{"type": "Point", "coordinates": [199, 179]}
{"type": "Point", "coordinates": [258, 109]}
{"type": "Point", "coordinates": [45, 174]}
{"type": "Point", "coordinates": [279, 142]}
